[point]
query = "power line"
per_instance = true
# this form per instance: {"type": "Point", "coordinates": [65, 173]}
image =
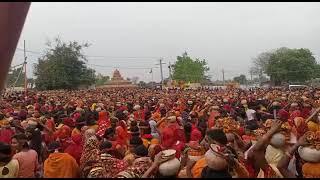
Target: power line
{"type": "Point", "coordinates": [124, 57]}
{"type": "Point", "coordinates": [104, 66]}
{"type": "Point", "coordinates": [102, 56]}
{"type": "Point", "coordinates": [35, 52]}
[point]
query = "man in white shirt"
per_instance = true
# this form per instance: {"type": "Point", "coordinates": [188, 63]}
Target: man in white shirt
{"type": "Point", "coordinates": [251, 114]}
{"type": "Point", "coordinates": [251, 119]}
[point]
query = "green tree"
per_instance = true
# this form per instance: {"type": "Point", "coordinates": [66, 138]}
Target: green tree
{"type": "Point", "coordinates": [63, 67]}
{"type": "Point", "coordinates": [101, 79]}
{"type": "Point", "coordinates": [142, 84]}
{"type": "Point", "coordinates": [240, 79]}
{"type": "Point", "coordinates": [286, 65]}
{"type": "Point", "coordinates": [189, 70]}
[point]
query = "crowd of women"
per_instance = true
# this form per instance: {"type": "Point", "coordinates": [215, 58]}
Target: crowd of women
{"type": "Point", "coordinates": [142, 133]}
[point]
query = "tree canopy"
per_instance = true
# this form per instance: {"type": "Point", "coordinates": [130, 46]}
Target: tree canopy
{"type": "Point", "coordinates": [286, 65]}
{"type": "Point", "coordinates": [240, 79]}
{"type": "Point", "coordinates": [188, 70]}
{"type": "Point", "coordinates": [63, 67]}
{"type": "Point", "coordinates": [101, 79]}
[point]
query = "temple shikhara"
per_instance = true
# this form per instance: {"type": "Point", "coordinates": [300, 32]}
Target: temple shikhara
{"type": "Point", "coordinates": [118, 81]}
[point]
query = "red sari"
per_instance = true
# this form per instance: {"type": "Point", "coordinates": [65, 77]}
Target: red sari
{"type": "Point", "coordinates": [211, 119]}
{"type": "Point", "coordinates": [47, 137]}
{"type": "Point", "coordinates": [63, 134]}
{"type": "Point", "coordinates": [121, 136]}
{"type": "Point", "coordinates": [306, 112]}
{"type": "Point", "coordinates": [167, 138]}
{"type": "Point", "coordinates": [195, 134]}
{"type": "Point", "coordinates": [103, 123]}
{"type": "Point", "coordinates": [6, 134]}
{"type": "Point", "coordinates": [75, 148]}
{"type": "Point", "coordinates": [139, 115]}
{"type": "Point", "coordinates": [294, 114]}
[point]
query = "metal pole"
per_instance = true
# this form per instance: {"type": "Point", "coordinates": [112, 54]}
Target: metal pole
{"type": "Point", "coordinates": [170, 75]}
{"type": "Point", "coordinates": [25, 69]}
{"type": "Point", "coordinates": [161, 72]}
{"type": "Point", "coordinates": [152, 74]}
{"type": "Point", "coordinates": [223, 76]}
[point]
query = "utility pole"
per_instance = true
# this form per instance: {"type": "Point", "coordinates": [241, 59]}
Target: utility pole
{"type": "Point", "coordinates": [151, 74]}
{"type": "Point", "coordinates": [223, 76]}
{"type": "Point", "coordinates": [25, 69]}
{"type": "Point", "coordinates": [170, 75]}
{"type": "Point", "coordinates": [161, 63]}
{"type": "Point", "coordinates": [251, 82]}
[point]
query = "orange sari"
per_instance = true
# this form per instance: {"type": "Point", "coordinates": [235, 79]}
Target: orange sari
{"type": "Point", "coordinates": [61, 165]}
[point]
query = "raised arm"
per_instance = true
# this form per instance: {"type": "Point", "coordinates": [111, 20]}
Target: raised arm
{"type": "Point", "coordinates": [285, 160]}
{"type": "Point", "coordinates": [158, 159]}
{"type": "Point", "coordinates": [312, 115]}
{"type": "Point", "coordinates": [265, 138]}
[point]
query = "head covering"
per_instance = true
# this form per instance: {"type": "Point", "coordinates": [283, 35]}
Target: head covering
{"type": "Point", "coordinates": [69, 122]}
{"type": "Point", "coordinates": [78, 109]}
{"type": "Point", "coordinates": [154, 141]}
{"type": "Point", "coordinates": [103, 123]}
{"type": "Point", "coordinates": [294, 104]}
{"type": "Point", "coordinates": [156, 116]}
{"type": "Point", "coordinates": [136, 107]}
{"type": "Point", "coordinates": [172, 119]}
{"type": "Point", "coordinates": [63, 132]}
{"type": "Point", "coordinates": [98, 109]}
{"type": "Point", "coordinates": [122, 135]}
{"type": "Point", "coordinates": [283, 114]}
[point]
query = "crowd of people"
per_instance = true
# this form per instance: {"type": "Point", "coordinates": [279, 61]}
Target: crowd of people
{"type": "Point", "coordinates": [143, 133]}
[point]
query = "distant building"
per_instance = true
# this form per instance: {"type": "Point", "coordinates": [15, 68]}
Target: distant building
{"type": "Point", "coordinates": [117, 82]}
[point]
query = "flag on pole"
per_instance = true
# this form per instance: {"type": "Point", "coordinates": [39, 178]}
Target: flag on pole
{"type": "Point", "coordinates": [150, 71]}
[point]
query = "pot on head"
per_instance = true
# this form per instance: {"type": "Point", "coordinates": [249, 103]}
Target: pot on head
{"type": "Point", "coordinates": [170, 167]}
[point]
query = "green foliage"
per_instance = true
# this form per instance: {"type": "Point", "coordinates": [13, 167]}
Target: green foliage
{"type": "Point", "coordinates": [286, 65]}
{"type": "Point", "coordinates": [189, 70]}
{"type": "Point", "coordinates": [63, 67]}
{"type": "Point", "coordinates": [240, 79]}
{"type": "Point", "coordinates": [142, 84]}
{"type": "Point", "coordinates": [101, 80]}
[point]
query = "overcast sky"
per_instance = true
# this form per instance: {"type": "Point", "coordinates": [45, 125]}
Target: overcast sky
{"type": "Point", "coordinates": [133, 36]}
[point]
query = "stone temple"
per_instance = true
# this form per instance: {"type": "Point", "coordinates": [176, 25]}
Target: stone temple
{"type": "Point", "coordinates": [118, 81]}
